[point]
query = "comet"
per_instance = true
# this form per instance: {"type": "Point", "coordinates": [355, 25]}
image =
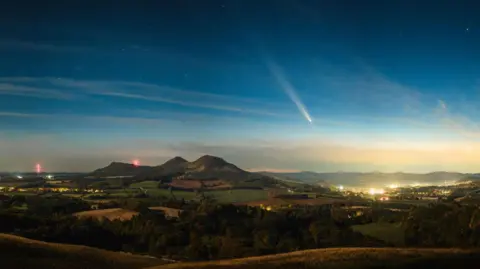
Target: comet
{"type": "Point", "coordinates": [289, 90]}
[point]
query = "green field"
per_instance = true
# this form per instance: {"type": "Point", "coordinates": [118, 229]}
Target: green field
{"type": "Point", "coordinates": [388, 232]}
{"type": "Point", "coordinates": [222, 196]}
{"type": "Point", "coordinates": [145, 184]}
{"type": "Point", "coordinates": [21, 193]}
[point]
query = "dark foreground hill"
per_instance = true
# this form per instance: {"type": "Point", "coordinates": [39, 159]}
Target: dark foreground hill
{"type": "Point", "coordinates": [348, 258]}
{"type": "Point", "coordinates": [18, 252]}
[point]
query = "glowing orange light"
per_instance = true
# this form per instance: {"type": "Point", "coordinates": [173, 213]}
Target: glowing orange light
{"type": "Point", "coordinates": [136, 162]}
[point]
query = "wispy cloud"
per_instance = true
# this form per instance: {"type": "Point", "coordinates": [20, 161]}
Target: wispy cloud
{"type": "Point", "coordinates": [189, 104]}
{"type": "Point", "coordinates": [150, 121]}
{"type": "Point", "coordinates": [39, 46]}
{"type": "Point", "coordinates": [20, 115]}
{"type": "Point", "coordinates": [100, 86]}
{"type": "Point", "coordinates": [37, 92]}
{"type": "Point", "coordinates": [364, 92]}
{"type": "Point", "coordinates": [141, 91]}
{"type": "Point", "coordinates": [457, 122]}
{"type": "Point", "coordinates": [105, 119]}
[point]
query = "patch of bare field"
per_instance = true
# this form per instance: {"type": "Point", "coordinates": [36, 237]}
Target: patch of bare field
{"type": "Point", "coordinates": [123, 214]}
{"type": "Point", "coordinates": [347, 258]}
{"type": "Point", "coordinates": [110, 213]}
{"type": "Point", "coordinates": [170, 212]}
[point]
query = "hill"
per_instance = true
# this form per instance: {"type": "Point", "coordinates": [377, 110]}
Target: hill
{"type": "Point", "coordinates": [369, 179]}
{"type": "Point", "coordinates": [208, 172]}
{"type": "Point", "coordinates": [18, 252]}
{"type": "Point", "coordinates": [298, 177]}
{"type": "Point", "coordinates": [471, 178]}
{"type": "Point", "coordinates": [173, 167]}
{"type": "Point", "coordinates": [207, 167]}
{"type": "Point", "coordinates": [347, 258]}
{"type": "Point", "coordinates": [116, 169]}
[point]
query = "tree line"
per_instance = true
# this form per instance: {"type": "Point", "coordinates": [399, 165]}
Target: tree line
{"type": "Point", "coordinates": [207, 230]}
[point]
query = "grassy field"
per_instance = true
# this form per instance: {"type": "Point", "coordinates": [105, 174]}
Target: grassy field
{"type": "Point", "coordinates": [347, 258]}
{"type": "Point", "coordinates": [18, 252]}
{"type": "Point", "coordinates": [409, 202]}
{"type": "Point", "coordinates": [110, 213]}
{"type": "Point", "coordinates": [145, 184]}
{"type": "Point", "coordinates": [123, 214]}
{"type": "Point", "coordinates": [222, 196]}
{"type": "Point", "coordinates": [388, 232]}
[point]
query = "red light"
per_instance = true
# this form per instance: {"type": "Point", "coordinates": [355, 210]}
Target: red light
{"type": "Point", "coordinates": [136, 162]}
{"type": "Point", "coordinates": [38, 168]}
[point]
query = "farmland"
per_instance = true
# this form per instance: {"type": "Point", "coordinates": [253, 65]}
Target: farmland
{"type": "Point", "coordinates": [388, 232]}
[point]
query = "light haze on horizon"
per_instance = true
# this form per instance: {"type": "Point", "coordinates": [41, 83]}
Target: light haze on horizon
{"type": "Point", "coordinates": [349, 86]}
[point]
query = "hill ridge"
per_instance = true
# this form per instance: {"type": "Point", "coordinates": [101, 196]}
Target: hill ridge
{"type": "Point", "coordinates": [345, 258]}
{"type": "Point", "coordinates": [21, 252]}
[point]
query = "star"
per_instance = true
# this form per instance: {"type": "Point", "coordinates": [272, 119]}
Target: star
{"type": "Point", "coordinates": [467, 29]}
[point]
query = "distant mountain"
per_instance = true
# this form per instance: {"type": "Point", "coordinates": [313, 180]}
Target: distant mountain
{"type": "Point", "coordinates": [120, 169]}
{"type": "Point", "coordinates": [172, 167]}
{"type": "Point", "coordinates": [369, 179]}
{"type": "Point", "coordinates": [473, 178]}
{"type": "Point", "coordinates": [181, 173]}
{"type": "Point", "coordinates": [299, 177]}
{"type": "Point", "coordinates": [207, 167]}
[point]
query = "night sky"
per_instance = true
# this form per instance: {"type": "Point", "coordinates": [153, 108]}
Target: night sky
{"type": "Point", "coordinates": [267, 84]}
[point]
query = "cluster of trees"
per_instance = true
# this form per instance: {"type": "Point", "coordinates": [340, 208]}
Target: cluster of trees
{"type": "Point", "coordinates": [443, 225]}
{"type": "Point", "coordinates": [206, 231]}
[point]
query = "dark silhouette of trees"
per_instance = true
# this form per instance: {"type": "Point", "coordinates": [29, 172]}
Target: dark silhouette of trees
{"type": "Point", "coordinates": [205, 230]}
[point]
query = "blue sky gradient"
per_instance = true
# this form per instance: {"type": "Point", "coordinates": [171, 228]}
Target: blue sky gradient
{"type": "Point", "coordinates": [388, 85]}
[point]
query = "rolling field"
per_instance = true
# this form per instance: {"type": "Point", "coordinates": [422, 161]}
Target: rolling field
{"type": "Point", "coordinates": [110, 213]}
{"type": "Point", "coordinates": [409, 202]}
{"type": "Point", "coordinates": [286, 202]}
{"type": "Point", "coordinates": [18, 252]}
{"type": "Point", "coordinates": [123, 214]}
{"type": "Point", "coordinates": [347, 258]}
{"type": "Point", "coordinates": [388, 232]}
{"type": "Point", "coordinates": [222, 196]}
{"type": "Point", "coordinates": [149, 184]}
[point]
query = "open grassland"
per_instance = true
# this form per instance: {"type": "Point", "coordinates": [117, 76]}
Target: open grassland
{"type": "Point", "coordinates": [389, 232]}
{"type": "Point", "coordinates": [18, 252]}
{"type": "Point", "coordinates": [348, 258]}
